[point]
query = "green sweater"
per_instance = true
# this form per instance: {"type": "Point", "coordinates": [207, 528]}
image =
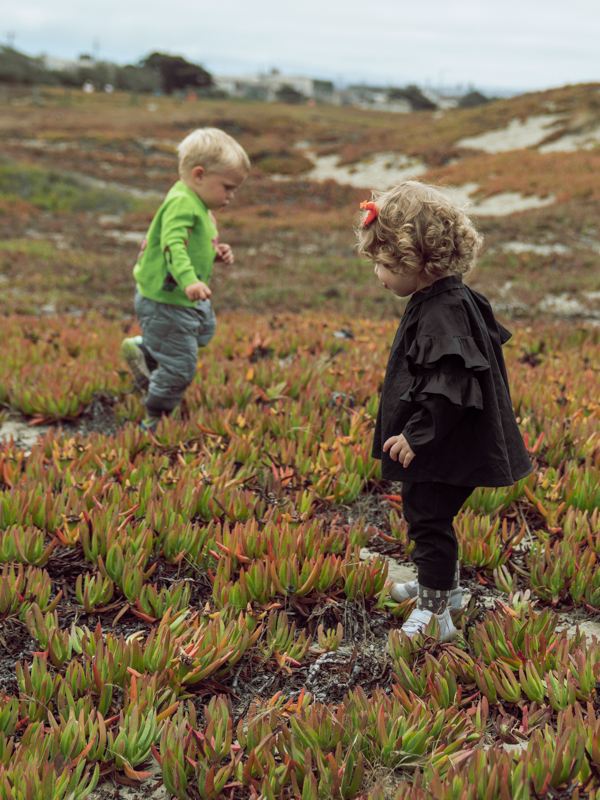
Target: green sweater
{"type": "Point", "coordinates": [179, 249]}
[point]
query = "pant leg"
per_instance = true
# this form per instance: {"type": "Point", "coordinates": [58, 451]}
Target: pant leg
{"type": "Point", "coordinates": [207, 322]}
{"type": "Point", "coordinates": [171, 336]}
{"type": "Point", "coordinates": [429, 509]}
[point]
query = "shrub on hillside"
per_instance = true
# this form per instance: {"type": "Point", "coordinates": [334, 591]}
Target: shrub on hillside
{"type": "Point", "coordinates": [414, 96]}
{"type": "Point", "coordinates": [287, 94]}
{"type": "Point", "coordinates": [16, 67]}
{"type": "Point", "coordinates": [177, 73]}
{"type": "Point", "coordinates": [473, 99]}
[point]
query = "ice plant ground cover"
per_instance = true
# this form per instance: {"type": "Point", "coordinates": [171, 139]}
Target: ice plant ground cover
{"type": "Point", "coordinates": [198, 596]}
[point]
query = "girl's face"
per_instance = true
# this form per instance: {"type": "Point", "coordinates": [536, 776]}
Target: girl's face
{"type": "Point", "coordinates": [400, 285]}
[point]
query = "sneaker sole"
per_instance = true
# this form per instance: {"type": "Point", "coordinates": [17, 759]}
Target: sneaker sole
{"type": "Point", "coordinates": [136, 362]}
{"type": "Point", "coordinates": [445, 625]}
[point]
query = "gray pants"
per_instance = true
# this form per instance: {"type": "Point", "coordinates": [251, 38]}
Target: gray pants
{"type": "Point", "coordinates": [172, 335]}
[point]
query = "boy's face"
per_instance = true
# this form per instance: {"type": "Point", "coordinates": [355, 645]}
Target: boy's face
{"type": "Point", "coordinates": [400, 285]}
{"type": "Point", "coordinates": [215, 189]}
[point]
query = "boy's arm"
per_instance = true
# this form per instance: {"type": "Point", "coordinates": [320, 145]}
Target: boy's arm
{"type": "Point", "coordinates": [176, 224]}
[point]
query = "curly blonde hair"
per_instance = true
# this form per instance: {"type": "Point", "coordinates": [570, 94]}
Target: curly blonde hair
{"type": "Point", "coordinates": [420, 230]}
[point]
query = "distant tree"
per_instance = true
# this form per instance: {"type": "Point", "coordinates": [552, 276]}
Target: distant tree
{"type": "Point", "coordinates": [414, 96]}
{"type": "Point", "coordinates": [135, 78]}
{"type": "Point", "coordinates": [473, 99]}
{"type": "Point", "coordinates": [16, 67]}
{"type": "Point", "coordinates": [177, 73]}
{"type": "Point", "coordinates": [287, 94]}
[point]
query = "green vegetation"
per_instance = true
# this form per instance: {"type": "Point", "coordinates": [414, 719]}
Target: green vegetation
{"type": "Point", "coordinates": [266, 658]}
{"type": "Point", "coordinates": [58, 193]}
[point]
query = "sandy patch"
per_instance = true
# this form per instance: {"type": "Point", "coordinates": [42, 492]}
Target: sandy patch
{"type": "Point", "coordinates": [538, 249]}
{"type": "Point", "coordinates": [383, 170]}
{"type": "Point", "coordinates": [589, 627]}
{"type": "Point", "coordinates": [380, 171]}
{"type": "Point", "coordinates": [398, 573]}
{"type": "Point", "coordinates": [501, 205]}
{"type": "Point", "coordinates": [125, 237]}
{"type": "Point", "coordinates": [498, 205]}
{"type": "Point", "coordinates": [514, 137]}
{"type": "Point", "coordinates": [562, 305]}
{"type": "Point", "coordinates": [573, 141]}
{"type": "Point", "coordinates": [24, 435]}
{"type": "Point", "coordinates": [96, 183]}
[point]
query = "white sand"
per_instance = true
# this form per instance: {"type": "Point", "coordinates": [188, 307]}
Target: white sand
{"type": "Point", "coordinates": [515, 137]}
{"type": "Point", "coordinates": [380, 171]}
{"type": "Point", "coordinates": [538, 249]}
{"type": "Point", "coordinates": [498, 205]}
{"type": "Point", "coordinates": [23, 434]}
{"type": "Point", "coordinates": [397, 572]}
{"type": "Point", "coordinates": [125, 237]}
{"type": "Point", "coordinates": [571, 142]}
{"type": "Point", "coordinates": [562, 305]}
{"type": "Point", "coordinates": [383, 170]}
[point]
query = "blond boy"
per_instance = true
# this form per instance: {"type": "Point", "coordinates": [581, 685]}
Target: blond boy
{"type": "Point", "coordinates": [172, 299]}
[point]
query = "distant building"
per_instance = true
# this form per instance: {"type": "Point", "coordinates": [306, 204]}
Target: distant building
{"type": "Point", "coordinates": [267, 87]}
{"type": "Point", "coordinates": [68, 65]}
{"type": "Point", "coordinates": [376, 98]}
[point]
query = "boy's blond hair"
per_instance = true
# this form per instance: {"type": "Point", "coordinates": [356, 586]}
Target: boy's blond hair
{"type": "Point", "coordinates": [419, 229]}
{"type": "Point", "coordinates": [212, 149]}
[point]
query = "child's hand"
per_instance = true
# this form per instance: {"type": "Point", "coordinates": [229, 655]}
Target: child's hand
{"type": "Point", "coordinates": [197, 291]}
{"type": "Point", "coordinates": [224, 254]}
{"type": "Point", "coordinates": [400, 450]}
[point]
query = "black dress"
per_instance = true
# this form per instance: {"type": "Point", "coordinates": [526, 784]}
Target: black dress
{"type": "Point", "coordinates": [446, 389]}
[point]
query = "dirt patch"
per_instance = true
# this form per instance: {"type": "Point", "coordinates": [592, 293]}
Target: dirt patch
{"type": "Point", "coordinates": [98, 417]}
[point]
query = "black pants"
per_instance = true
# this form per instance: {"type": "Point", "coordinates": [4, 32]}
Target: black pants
{"type": "Point", "coordinates": [429, 509]}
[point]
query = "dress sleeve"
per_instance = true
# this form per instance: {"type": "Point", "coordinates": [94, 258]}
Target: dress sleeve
{"type": "Point", "coordinates": [504, 334]}
{"type": "Point", "coordinates": [432, 422]}
{"type": "Point", "coordinates": [444, 386]}
{"type": "Point", "coordinates": [427, 351]}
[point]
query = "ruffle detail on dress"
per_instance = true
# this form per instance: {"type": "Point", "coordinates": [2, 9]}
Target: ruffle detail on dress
{"type": "Point", "coordinates": [505, 334]}
{"type": "Point", "coordinates": [461, 390]}
{"type": "Point", "coordinates": [426, 350]}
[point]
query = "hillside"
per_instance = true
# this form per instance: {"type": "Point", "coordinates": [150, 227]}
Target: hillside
{"type": "Point", "coordinates": [100, 164]}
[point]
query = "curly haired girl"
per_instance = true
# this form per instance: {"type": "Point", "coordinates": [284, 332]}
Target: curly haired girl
{"type": "Point", "coordinates": [445, 423]}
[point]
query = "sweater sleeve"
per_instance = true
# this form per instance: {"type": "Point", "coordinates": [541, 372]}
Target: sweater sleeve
{"type": "Point", "coordinates": [177, 221]}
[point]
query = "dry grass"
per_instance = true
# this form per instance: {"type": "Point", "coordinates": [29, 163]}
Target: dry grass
{"type": "Point", "coordinates": [293, 240]}
{"type": "Point", "coordinates": [565, 176]}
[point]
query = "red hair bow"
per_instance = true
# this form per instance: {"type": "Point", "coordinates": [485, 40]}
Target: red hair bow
{"type": "Point", "coordinates": [372, 212]}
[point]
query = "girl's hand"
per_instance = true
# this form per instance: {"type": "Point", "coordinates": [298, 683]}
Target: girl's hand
{"type": "Point", "coordinates": [224, 254]}
{"type": "Point", "coordinates": [197, 291]}
{"type": "Point", "coordinates": [400, 450]}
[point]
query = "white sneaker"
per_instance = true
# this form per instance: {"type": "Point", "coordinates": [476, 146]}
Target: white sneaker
{"type": "Point", "coordinates": [403, 591]}
{"type": "Point", "coordinates": [418, 620]}
{"type": "Point", "coordinates": [136, 361]}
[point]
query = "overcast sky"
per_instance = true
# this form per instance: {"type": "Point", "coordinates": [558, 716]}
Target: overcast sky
{"type": "Point", "coordinates": [518, 44]}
